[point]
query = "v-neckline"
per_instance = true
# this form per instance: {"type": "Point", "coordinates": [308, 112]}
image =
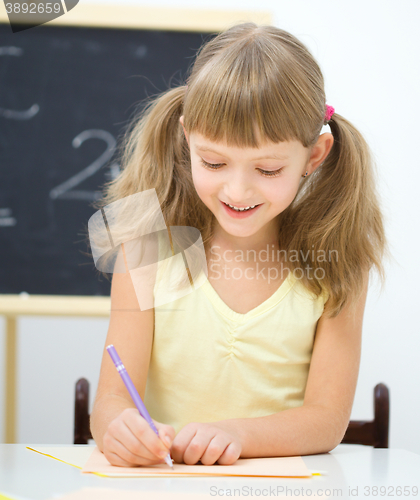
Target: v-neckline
{"type": "Point", "coordinates": [224, 309]}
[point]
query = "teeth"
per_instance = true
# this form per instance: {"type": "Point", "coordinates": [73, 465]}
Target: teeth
{"type": "Point", "coordinates": [240, 209]}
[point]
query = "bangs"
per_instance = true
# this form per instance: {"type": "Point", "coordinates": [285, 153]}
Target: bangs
{"type": "Point", "coordinates": [244, 97]}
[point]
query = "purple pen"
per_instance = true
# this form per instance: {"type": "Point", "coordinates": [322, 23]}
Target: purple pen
{"type": "Point", "coordinates": [135, 396]}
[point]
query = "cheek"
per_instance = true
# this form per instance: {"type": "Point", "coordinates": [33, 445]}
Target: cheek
{"type": "Point", "coordinates": [203, 181]}
{"type": "Point", "coordinates": [282, 192]}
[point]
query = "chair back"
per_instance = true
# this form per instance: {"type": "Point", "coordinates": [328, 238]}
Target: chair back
{"type": "Point", "coordinates": [372, 432]}
{"type": "Point", "coordinates": [81, 413]}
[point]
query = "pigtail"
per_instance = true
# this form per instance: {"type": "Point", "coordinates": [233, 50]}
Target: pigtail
{"type": "Point", "coordinates": [337, 222]}
{"type": "Point", "coordinates": [158, 150]}
{"type": "Point", "coordinates": [149, 148]}
{"type": "Point", "coordinates": [154, 154]}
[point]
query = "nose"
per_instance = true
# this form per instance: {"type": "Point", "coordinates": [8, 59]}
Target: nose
{"type": "Point", "coordinates": [238, 188]}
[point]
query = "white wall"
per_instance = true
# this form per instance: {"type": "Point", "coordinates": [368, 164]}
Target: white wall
{"type": "Point", "coordinates": [368, 51]}
{"type": "Point", "coordinates": [53, 354]}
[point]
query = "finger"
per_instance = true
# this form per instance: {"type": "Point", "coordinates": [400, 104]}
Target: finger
{"type": "Point", "coordinates": [198, 445]}
{"type": "Point", "coordinates": [215, 449]}
{"type": "Point", "coordinates": [116, 460]}
{"type": "Point", "coordinates": [134, 445]}
{"type": "Point", "coordinates": [166, 433]}
{"type": "Point", "coordinates": [230, 455]}
{"type": "Point", "coordinates": [143, 432]}
{"type": "Point", "coordinates": [119, 430]}
{"type": "Point", "coordinates": [181, 441]}
{"type": "Point", "coordinates": [117, 454]}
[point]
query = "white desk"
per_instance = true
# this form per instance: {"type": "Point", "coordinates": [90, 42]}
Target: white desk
{"type": "Point", "coordinates": [351, 470]}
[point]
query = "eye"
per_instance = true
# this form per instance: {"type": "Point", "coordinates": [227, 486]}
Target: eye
{"type": "Point", "coordinates": [213, 166]}
{"type": "Point", "coordinates": [271, 173]}
{"type": "Point", "coordinates": [267, 173]}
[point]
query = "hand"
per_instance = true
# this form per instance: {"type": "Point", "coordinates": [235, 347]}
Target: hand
{"type": "Point", "coordinates": [129, 441]}
{"type": "Point", "coordinates": [207, 442]}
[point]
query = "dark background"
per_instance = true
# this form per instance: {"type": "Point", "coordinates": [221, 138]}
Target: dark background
{"type": "Point", "coordinates": [55, 84]}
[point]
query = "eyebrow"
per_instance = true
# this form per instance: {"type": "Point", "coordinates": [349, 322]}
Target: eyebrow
{"type": "Point", "coordinates": [270, 157]}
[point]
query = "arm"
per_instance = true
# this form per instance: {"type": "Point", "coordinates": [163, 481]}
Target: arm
{"type": "Point", "coordinates": [131, 331]}
{"type": "Point", "coordinates": [320, 424]}
{"type": "Point", "coordinates": [117, 426]}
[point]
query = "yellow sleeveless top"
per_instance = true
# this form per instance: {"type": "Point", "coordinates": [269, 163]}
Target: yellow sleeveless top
{"type": "Point", "coordinates": [210, 363]}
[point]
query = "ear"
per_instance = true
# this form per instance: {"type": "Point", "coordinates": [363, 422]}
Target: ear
{"type": "Point", "coordinates": [181, 120]}
{"type": "Point", "coordinates": [320, 151]}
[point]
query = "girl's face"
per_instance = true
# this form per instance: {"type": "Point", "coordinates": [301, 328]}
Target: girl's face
{"type": "Point", "coordinates": [267, 178]}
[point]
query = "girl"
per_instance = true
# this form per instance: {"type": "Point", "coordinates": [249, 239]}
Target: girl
{"type": "Point", "coordinates": [262, 359]}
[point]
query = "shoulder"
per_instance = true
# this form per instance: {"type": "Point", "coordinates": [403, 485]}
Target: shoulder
{"type": "Point", "coordinates": [307, 299]}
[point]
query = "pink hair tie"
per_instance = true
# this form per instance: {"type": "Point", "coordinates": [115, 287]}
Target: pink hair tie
{"type": "Point", "coordinates": [329, 111]}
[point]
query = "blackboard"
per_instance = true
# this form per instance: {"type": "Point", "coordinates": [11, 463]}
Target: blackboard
{"type": "Point", "coordinates": [66, 94]}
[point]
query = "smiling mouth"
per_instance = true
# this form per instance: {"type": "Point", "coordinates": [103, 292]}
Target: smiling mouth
{"type": "Point", "coordinates": [244, 209]}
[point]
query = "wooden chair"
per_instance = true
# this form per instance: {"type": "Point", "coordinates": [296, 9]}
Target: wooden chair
{"type": "Point", "coordinates": [81, 413]}
{"type": "Point", "coordinates": [374, 432]}
{"type": "Point", "coordinates": [371, 433]}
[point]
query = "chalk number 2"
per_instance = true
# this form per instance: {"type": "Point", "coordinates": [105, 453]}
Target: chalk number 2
{"type": "Point", "coordinates": [66, 189]}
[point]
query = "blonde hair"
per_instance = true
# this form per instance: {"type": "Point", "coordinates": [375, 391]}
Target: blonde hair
{"type": "Point", "coordinates": [255, 81]}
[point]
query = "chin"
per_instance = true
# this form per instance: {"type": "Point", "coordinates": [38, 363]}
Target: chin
{"type": "Point", "coordinates": [239, 232]}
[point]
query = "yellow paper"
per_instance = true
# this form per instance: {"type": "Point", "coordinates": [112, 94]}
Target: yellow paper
{"type": "Point", "coordinates": [4, 497]}
{"type": "Point", "coordinates": [113, 494]}
{"type": "Point", "coordinates": [256, 467]}
{"type": "Point", "coordinates": [71, 455]}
